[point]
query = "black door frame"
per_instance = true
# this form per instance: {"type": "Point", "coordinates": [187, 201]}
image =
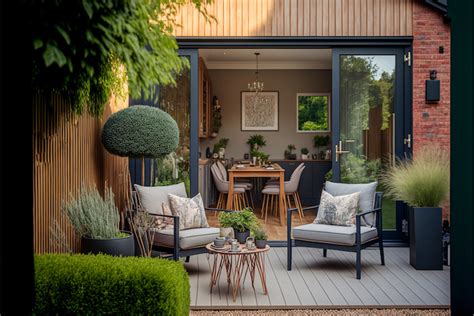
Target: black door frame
{"type": "Point", "coordinates": [190, 45]}
{"type": "Point", "coordinates": [403, 109]}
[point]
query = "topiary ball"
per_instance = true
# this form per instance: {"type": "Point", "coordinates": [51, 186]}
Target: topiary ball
{"type": "Point", "coordinates": [140, 131]}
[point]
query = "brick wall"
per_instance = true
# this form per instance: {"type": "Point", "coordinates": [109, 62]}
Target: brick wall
{"type": "Point", "coordinates": [431, 121]}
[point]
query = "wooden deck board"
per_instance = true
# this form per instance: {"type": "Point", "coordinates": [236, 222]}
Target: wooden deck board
{"type": "Point", "coordinates": [321, 282]}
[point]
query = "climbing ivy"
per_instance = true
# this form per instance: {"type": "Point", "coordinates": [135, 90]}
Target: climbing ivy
{"type": "Point", "coordinates": [79, 47]}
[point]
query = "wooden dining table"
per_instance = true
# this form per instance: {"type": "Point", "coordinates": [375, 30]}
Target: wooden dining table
{"type": "Point", "coordinates": [275, 171]}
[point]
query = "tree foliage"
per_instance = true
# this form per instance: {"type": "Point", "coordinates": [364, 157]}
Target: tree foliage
{"type": "Point", "coordinates": [79, 45]}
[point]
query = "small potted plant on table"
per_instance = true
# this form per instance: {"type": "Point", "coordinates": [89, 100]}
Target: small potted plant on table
{"type": "Point", "coordinates": [241, 221]}
{"type": "Point", "coordinates": [260, 238]}
{"type": "Point", "coordinates": [423, 183]}
{"type": "Point", "coordinates": [96, 220]}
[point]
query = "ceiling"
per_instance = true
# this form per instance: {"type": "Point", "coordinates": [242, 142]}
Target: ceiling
{"type": "Point", "coordinates": [268, 59]}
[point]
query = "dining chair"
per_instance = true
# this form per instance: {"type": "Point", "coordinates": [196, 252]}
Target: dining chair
{"type": "Point", "coordinates": [223, 188]}
{"type": "Point", "coordinates": [240, 181]}
{"type": "Point", "coordinates": [271, 193]}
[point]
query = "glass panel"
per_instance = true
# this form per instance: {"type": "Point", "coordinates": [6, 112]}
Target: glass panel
{"type": "Point", "coordinates": [313, 113]}
{"type": "Point", "coordinates": [176, 100]}
{"type": "Point", "coordinates": [367, 121]}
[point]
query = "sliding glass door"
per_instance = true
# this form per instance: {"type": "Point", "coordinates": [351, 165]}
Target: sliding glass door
{"type": "Point", "coordinates": [370, 121]}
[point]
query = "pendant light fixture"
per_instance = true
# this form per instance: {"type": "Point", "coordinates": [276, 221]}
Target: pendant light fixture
{"type": "Point", "coordinates": [256, 86]}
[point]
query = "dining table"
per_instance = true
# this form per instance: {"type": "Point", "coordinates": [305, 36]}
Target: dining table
{"type": "Point", "coordinates": [254, 171]}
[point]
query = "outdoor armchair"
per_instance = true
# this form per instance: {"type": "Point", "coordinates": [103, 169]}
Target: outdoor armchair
{"type": "Point", "coordinates": [345, 238]}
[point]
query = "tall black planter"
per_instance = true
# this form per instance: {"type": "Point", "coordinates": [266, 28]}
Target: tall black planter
{"type": "Point", "coordinates": [116, 246]}
{"type": "Point", "coordinates": [425, 238]}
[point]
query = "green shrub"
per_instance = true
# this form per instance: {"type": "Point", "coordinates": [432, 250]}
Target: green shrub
{"type": "Point", "coordinates": [140, 131]}
{"type": "Point", "coordinates": [421, 182]}
{"type": "Point", "coordinates": [99, 285]}
{"type": "Point", "coordinates": [93, 216]}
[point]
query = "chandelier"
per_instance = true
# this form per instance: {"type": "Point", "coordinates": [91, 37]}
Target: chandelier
{"type": "Point", "coordinates": [256, 86]}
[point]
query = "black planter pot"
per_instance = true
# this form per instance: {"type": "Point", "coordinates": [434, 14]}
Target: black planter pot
{"type": "Point", "coordinates": [116, 246]}
{"type": "Point", "coordinates": [260, 243]}
{"type": "Point", "coordinates": [242, 237]}
{"type": "Point", "coordinates": [425, 229]}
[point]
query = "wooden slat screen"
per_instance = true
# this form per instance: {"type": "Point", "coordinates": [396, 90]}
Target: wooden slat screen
{"type": "Point", "coordinates": [68, 152]}
{"type": "Point", "coordinates": [299, 18]}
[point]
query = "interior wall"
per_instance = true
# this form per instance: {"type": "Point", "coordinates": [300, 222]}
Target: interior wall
{"type": "Point", "coordinates": [227, 86]}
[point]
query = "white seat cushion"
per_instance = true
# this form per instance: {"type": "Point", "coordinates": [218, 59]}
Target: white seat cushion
{"type": "Point", "coordinates": [332, 234]}
{"type": "Point", "coordinates": [271, 190]}
{"type": "Point", "coordinates": [188, 239]}
{"type": "Point", "coordinates": [152, 198]}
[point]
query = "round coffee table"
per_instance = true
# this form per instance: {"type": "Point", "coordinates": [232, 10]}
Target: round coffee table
{"type": "Point", "coordinates": [235, 263]}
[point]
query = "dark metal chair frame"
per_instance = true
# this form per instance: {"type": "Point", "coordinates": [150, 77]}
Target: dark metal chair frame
{"type": "Point", "coordinates": [357, 247]}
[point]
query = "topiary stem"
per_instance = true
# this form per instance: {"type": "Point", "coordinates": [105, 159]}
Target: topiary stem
{"type": "Point", "coordinates": [143, 171]}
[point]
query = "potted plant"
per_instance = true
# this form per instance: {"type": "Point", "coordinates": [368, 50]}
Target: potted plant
{"type": "Point", "coordinates": [260, 238]}
{"type": "Point", "coordinates": [256, 142]}
{"type": "Point", "coordinates": [220, 146]}
{"type": "Point", "coordinates": [423, 183]}
{"type": "Point", "coordinates": [96, 220]}
{"type": "Point", "coordinates": [321, 142]}
{"type": "Point", "coordinates": [304, 153]}
{"type": "Point", "coordinates": [289, 152]}
{"type": "Point", "coordinates": [241, 221]}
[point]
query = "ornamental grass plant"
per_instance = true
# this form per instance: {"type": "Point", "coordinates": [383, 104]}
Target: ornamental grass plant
{"type": "Point", "coordinates": [93, 216]}
{"type": "Point", "coordinates": [422, 181]}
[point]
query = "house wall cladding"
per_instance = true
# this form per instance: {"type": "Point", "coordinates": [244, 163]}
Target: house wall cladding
{"type": "Point", "coordinates": [431, 121]}
{"type": "Point", "coordinates": [299, 18]}
{"type": "Point", "coordinates": [67, 153]}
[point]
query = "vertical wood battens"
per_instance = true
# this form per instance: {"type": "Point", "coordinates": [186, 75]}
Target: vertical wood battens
{"type": "Point", "coordinates": [67, 153]}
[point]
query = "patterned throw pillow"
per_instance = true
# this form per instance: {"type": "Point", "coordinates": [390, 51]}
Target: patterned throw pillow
{"type": "Point", "coordinates": [190, 211]}
{"type": "Point", "coordinates": [337, 210]}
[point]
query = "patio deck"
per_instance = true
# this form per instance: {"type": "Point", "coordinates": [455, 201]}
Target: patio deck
{"type": "Point", "coordinates": [318, 282]}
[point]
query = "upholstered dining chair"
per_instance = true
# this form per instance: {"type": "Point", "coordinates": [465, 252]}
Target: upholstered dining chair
{"type": "Point", "coordinates": [242, 182]}
{"type": "Point", "coordinates": [223, 188]}
{"type": "Point", "coordinates": [271, 193]}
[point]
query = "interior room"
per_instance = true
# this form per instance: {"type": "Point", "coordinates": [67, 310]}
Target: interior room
{"type": "Point", "coordinates": [291, 116]}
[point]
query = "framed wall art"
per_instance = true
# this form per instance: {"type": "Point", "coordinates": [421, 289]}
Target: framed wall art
{"type": "Point", "coordinates": [259, 112]}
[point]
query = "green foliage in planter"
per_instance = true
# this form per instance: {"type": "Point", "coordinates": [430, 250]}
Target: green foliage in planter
{"type": "Point", "coordinates": [106, 285]}
{"type": "Point", "coordinates": [93, 216]}
{"type": "Point", "coordinates": [140, 131]}
{"type": "Point", "coordinates": [422, 181]}
{"type": "Point", "coordinates": [256, 142]}
{"type": "Point", "coordinates": [304, 151]}
{"type": "Point", "coordinates": [240, 221]}
{"type": "Point", "coordinates": [259, 234]}
{"type": "Point", "coordinates": [321, 141]}
{"type": "Point", "coordinates": [172, 169]}
{"type": "Point", "coordinates": [291, 147]}
{"type": "Point", "coordinates": [222, 143]}
{"type": "Point", "coordinates": [260, 155]}
{"type": "Point", "coordinates": [77, 46]}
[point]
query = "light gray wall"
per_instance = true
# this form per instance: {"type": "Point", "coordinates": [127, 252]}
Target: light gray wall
{"type": "Point", "coordinates": [227, 86]}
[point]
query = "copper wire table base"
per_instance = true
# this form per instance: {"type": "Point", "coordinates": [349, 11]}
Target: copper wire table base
{"type": "Point", "coordinates": [236, 265]}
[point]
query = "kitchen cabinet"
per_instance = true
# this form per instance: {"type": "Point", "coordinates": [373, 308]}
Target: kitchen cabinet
{"type": "Point", "coordinates": [205, 100]}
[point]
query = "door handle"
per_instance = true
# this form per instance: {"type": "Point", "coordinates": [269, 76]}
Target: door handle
{"type": "Point", "coordinates": [407, 141]}
{"type": "Point", "coordinates": [339, 150]}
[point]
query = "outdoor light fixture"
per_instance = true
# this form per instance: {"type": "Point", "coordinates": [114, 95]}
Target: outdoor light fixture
{"type": "Point", "coordinates": [256, 86]}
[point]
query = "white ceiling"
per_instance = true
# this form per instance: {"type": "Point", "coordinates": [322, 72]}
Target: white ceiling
{"type": "Point", "coordinates": [268, 59]}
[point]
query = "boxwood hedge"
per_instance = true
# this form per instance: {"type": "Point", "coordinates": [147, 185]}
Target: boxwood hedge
{"type": "Point", "coordinates": [99, 284]}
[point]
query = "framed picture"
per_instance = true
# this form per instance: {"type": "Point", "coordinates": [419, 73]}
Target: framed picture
{"type": "Point", "coordinates": [259, 113]}
{"type": "Point", "coordinates": [313, 113]}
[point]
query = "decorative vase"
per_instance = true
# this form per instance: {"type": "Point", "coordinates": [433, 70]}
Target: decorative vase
{"type": "Point", "coordinates": [122, 246]}
{"type": "Point", "coordinates": [260, 243]}
{"type": "Point", "coordinates": [425, 233]}
{"type": "Point", "coordinates": [242, 237]}
{"type": "Point", "coordinates": [304, 157]}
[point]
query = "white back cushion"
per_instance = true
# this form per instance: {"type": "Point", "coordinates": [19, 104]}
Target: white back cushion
{"type": "Point", "coordinates": [151, 198]}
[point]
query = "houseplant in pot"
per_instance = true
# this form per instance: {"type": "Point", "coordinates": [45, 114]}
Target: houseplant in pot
{"type": "Point", "coordinates": [423, 183]}
{"type": "Point", "coordinates": [96, 220]}
{"type": "Point", "coordinates": [289, 152]}
{"type": "Point", "coordinates": [304, 153]}
{"type": "Point", "coordinates": [321, 143]}
{"type": "Point", "coordinates": [241, 221]}
{"type": "Point", "coordinates": [260, 238]}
